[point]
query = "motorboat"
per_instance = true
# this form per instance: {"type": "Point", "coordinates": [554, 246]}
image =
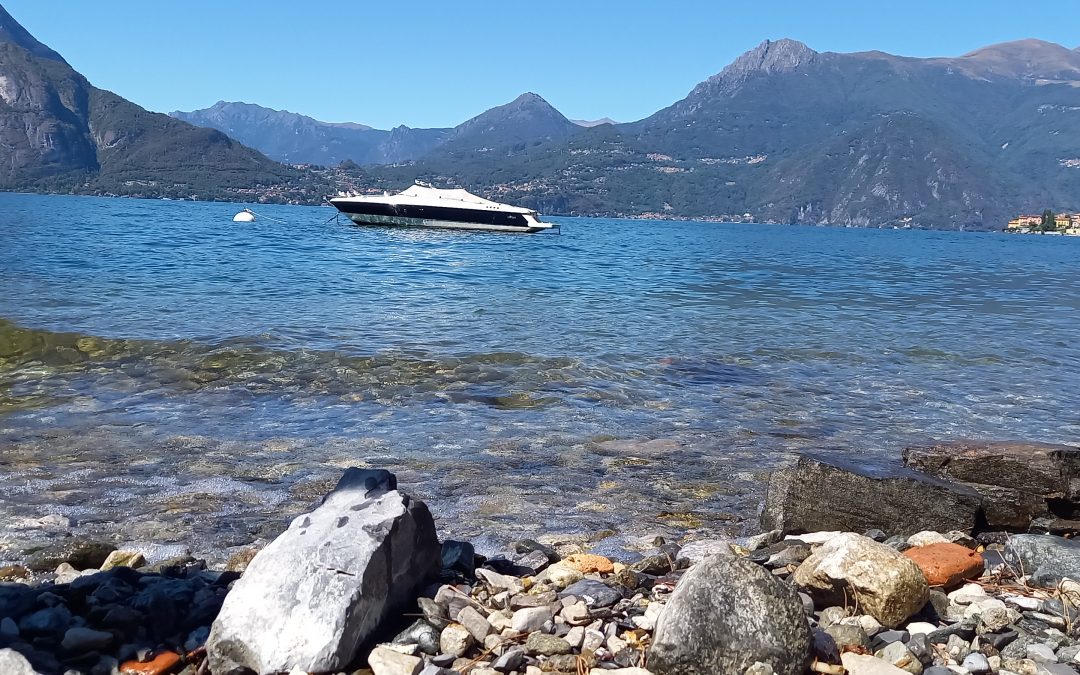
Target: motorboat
{"type": "Point", "coordinates": [425, 206]}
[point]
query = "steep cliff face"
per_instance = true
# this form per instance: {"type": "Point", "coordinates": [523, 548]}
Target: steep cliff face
{"type": "Point", "coordinates": [44, 106]}
{"type": "Point", "coordinates": [57, 129]}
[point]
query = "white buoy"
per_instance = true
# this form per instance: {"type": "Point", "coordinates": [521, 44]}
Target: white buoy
{"type": "Point", "coordinates": [245, 216]}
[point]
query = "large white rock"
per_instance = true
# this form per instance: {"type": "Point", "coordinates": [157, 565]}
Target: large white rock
{"type": "Point", "coordinates": [860, 572]}
{"type": "Point", "coordinates": [14, 663]}
{"type": "Point", "coordinates": [310, 598]}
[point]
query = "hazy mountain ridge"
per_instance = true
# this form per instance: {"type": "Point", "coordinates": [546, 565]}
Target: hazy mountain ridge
{"type": "Point", "coordinates": [299, 139]}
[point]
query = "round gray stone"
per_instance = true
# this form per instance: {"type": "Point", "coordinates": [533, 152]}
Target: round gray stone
{"type": "Point", "coordinates": [727, 614]}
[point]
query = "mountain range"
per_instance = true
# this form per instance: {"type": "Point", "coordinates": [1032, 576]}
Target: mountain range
{"type": "Point", "coordinates": [784, 133]}
{"type": "Point", "coordinates": [60, 133]}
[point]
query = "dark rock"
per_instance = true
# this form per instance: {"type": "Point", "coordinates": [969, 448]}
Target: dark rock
{"type": "Point", "coordinates": [899, 542]}
{"type": "Point", "coordinates": [919, 646]}
{"type": "Point", "coordinates": [459, 556]}
{"type": "Point", "coordinates": [47, 621]}
{"type": "Point", "coordinates": [825, 647]}
{"type": "Point", "coordinates": [80, 640]}
{"type": "Point", "coordinates": [508, 567]}
{"type": "Point", "coordinates": [511, 660]}
{"type": "Point", "coordinates": [434, 613]}
{"type": "Point", "coordinates": [533, 560]}
{"type": "Point", "coordinates": [420, 633]}
{"type": "Point", "coordinates": [1019, 481]}
{"type": "Point", "coordinates": [824, 494]}
{"type": "Point", "coordinates": [528, 546]}
{"type": "Point", "coordinates": [594, 593]}
{"type": "Point", "coordinates": [962, 630]}
{"type": "Point", "coordinates": [887, 636]}
{"type": "Point", "coordinates": [82, 554]}
{"type": "Point", "coordinates": [1045, 558]}
{"type": "Point", "coordinates": [655, 565]}
{"type": "Point", "coordinates": [174, 567]}
{"type": "Point", "coordinates": [938, 606]}
{"type": "Point", "coordinates": [16, 599]}
{"type": "Point", "coordinates": [726, 614]}
{"type": "Point", "coordinates": [313, 595]}
{"type": "Point", "coordinates": [876, 535]}
{"type": "Point", "coordinates": [999, 640]}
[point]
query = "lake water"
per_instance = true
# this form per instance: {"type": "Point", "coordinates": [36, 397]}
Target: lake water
{"type": "Point", "coordinates": [169, 376]}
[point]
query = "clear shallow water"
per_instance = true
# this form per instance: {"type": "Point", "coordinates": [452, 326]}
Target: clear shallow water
{"type": "Point", "coordinates": [168, 375]}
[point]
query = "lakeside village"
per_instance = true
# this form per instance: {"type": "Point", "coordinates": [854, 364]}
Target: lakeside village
{"type": "Point", "coordinates": [1047, 223]}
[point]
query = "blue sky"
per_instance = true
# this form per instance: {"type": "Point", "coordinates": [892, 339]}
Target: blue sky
{"type": "Point", "coordinates": [438, 63]}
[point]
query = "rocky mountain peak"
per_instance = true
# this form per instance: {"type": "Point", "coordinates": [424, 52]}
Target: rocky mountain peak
{"type": "Point", "coordinates": [770, 57]}
{"type": "Point", "coordinates": [12, 31]}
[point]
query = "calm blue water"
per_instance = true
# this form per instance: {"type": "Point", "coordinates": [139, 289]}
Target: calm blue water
{"type": "Point", "coordinates": [168, 375]}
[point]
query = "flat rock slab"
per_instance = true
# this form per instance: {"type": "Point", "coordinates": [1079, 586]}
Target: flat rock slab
{"type": "Point", "coordinates": [313, 595]}
{"type": "Point", "coordinates": [819, 494]}
{"type": "Point", "coordinates": [1020, 482]}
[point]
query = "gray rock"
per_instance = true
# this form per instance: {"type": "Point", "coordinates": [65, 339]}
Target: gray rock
{"type": "Point", "coordinates": [696, 551]}
{"type": "Point", "coordinates": [14, 663]}
{"type": "Point", "coordinates": [511, 660]}
{"type": "Point", "coordinates": [824, 494]}
{"type": "Point", "coordinates": [530, 619]}
{"type": "Point", "coordinates": [422, 634]}
{"type": "Point", "coordinates": [846, 635]}
{"type": "Point", "coordinates": [726, 614]}
{"type": "Point", "coordinates": [1041, 653]}
{"type": "Point", "coordinates": [475, 623]}
{"type": "Point", "coordinates": [80, 640]}
{"type": "Point", "coordinates": [546, 645]}
{"type": "Point", "coordinates": [1044, 557]}
{"type": "Point", "coordinates": [897, 654]}
{"type": "Point", "coordinates": [976, 664]}
{"type": "Point", "coordinates": [1017, 480]}
{"type": "Point", "coordinates": [594, 593]}
{"type": "Point", "coordinates": [850, 567]}
{"type": "Point", "coordinates": [314, 594]}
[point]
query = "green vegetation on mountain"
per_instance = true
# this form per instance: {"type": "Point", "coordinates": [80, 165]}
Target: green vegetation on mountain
{"type": "Point", "coordinates": [783, 134]}
{"type": "Point", "coordinates": [788, 134]}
